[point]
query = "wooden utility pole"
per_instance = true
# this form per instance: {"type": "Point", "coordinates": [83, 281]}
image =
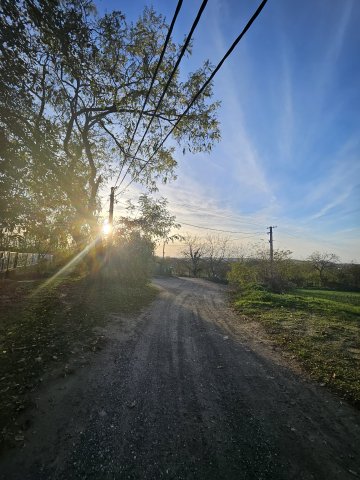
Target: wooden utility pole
{"type": "Point", "coordinates": [271, 241]}
{"type": "Point", "coordinates": [109, 239]}
{"type": "Point", "coordinates": [111, 209]}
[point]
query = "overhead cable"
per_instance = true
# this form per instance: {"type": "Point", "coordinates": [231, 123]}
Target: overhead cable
{"type": "Point", "coordinates": [196, 96]}
{"type": "Point", "coordinates": [182, 53]}
{"type": "Point", "coordinates": [219, 230]}
{"type": "Point", "coordinates": [167, 39]}
{"type": "Point", "coordinates": [216, 214]}
{"type": "Point", "coordinates": [251, 234]}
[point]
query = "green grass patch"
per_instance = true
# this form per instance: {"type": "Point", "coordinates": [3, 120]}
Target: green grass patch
{"type": "Point", "coordinates": [353, 298]}
{"type": "Point", "coordinates": [320, 328]}
{"type": "Point", "coordinates": [41, 329]}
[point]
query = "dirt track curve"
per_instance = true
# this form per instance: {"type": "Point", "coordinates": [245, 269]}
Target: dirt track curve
{"type": "Point", "coordinates": [185, 391]}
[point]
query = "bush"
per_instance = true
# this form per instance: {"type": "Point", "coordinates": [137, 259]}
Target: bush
{"type": "Point", "coordinates": [131, 258]}
{"type": "Point", "coordinates": [242, 275]}
{"type": "Point", "coordinates": [278, 283]}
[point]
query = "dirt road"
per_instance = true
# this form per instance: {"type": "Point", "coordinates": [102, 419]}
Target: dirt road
{"type": "Point", "coordinates": [185, 391]}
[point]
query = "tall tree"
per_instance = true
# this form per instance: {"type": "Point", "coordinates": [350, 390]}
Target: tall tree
{"type": "Point", "coordinates": [322, 262]}
{"type": "Point", "coordinates": [154, 220]}
{"type": "Point", "coordinates": [75, 85]}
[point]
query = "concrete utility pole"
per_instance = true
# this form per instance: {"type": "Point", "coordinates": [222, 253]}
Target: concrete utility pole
{"type": "Point", "coordinates": [111, 209]}
{"type": "Point", "coordinates": [271, 241]}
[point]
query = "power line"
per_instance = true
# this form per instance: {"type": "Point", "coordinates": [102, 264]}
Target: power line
{"type": "Point", "coordinates": [252, 234]}
{"type": "Point", "coordinates": [236, 218]}
{"type": "Point", "coordinates": [167, 39]}
{"type": "Point", "coordinates": [289, 235]}
{"type": "Point", "coordinates": [196, 96]}
{"type": "Point", "coordinates": [182, 53]}
{"type": "Point", "coordinates": [213, 214]}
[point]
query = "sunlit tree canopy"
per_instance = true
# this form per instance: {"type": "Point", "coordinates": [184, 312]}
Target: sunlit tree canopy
{"type": "Point", "coordinates": [73, 85]}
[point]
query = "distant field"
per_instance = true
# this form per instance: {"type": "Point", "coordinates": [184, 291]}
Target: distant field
{"type": "Point", "coordinates": [320, 327]}
{"type": "Point", "coordinates": [352, 298]}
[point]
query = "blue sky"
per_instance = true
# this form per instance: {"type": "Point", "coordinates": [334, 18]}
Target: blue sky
{"type": "Point", "coordinates": [290, 124]}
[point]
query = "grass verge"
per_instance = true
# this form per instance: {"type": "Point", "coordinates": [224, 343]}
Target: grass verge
{"type": "Point", "coordinates": [40, 329]}
{"type": "Point", "coordinates": [320, 328]}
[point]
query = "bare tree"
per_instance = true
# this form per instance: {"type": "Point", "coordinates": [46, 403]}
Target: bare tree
{"type": "Point", "coordinates": [195, 250]}
{"type": "Point", "coordinates": [322, 262]}
{"type": "Point", "coordinates": [217, 251]}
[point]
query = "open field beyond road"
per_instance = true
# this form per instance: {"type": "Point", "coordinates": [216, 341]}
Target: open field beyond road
{"type": "Point", "coordinates": [187, 390]}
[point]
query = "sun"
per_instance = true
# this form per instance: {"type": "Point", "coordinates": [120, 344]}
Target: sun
{"type": "Point", "coordinates": [106, 228]}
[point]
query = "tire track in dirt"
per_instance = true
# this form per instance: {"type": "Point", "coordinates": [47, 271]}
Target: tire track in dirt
{"type": "Point", "coordinates": [185, 391]}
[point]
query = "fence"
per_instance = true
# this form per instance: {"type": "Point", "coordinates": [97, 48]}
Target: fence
{"type": "Point", "coordinates": [12, 260]}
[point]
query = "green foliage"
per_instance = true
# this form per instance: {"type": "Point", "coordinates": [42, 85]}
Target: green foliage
{"type": "Point", "coordinates": [259, 270]}
{"type": "Point", "coordinates": [351, 298]}
{"type": "Point", "coordinates": [153, 219]}
{"type": "Point", "coordinates": [131, 257]}
{"type": "Point", "coordinates": [286, 274]}
{"type": "Point", "coordinates": [73, 84]}
{"type": "Point", "coordinates": [321, 328]}
{"type": "Point", "coordinates": [323, 263]}
{"type": "Point", "coordinates": [311, 300]}
{"type": "Point", "coordinates": [242, 274]}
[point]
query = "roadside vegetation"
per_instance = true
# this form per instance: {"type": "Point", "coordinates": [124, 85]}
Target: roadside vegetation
{"type": "Point", "coordinates": [309, 308]}
{"type": "Point", "coordinates": [50, 331]}
{"type": "Point", "coordinates": [319, 326]}
{"type": "Point", "coordinates": [50, 314]}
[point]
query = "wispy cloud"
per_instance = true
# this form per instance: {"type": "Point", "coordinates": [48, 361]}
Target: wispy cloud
{"type": "Point", "coordinates": [336, 185]}
{"type": "Point", "coordinates": [287, 111]}
{"type": "Point", "coordinates": [338, 200]}
{"type": "Point", "coordinates": [337, 43]}
{"type": "Point", "coordinates": [321, 104]}
{"type": "Point", "coordinates": [242, 156]}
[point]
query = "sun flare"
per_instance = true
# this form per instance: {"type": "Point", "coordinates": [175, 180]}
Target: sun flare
{"type": "Point", "coordinates": [106, 229]}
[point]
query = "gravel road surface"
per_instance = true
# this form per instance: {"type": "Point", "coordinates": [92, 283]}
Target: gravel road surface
{"type": "Point", "coordinates": [187, 391]}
